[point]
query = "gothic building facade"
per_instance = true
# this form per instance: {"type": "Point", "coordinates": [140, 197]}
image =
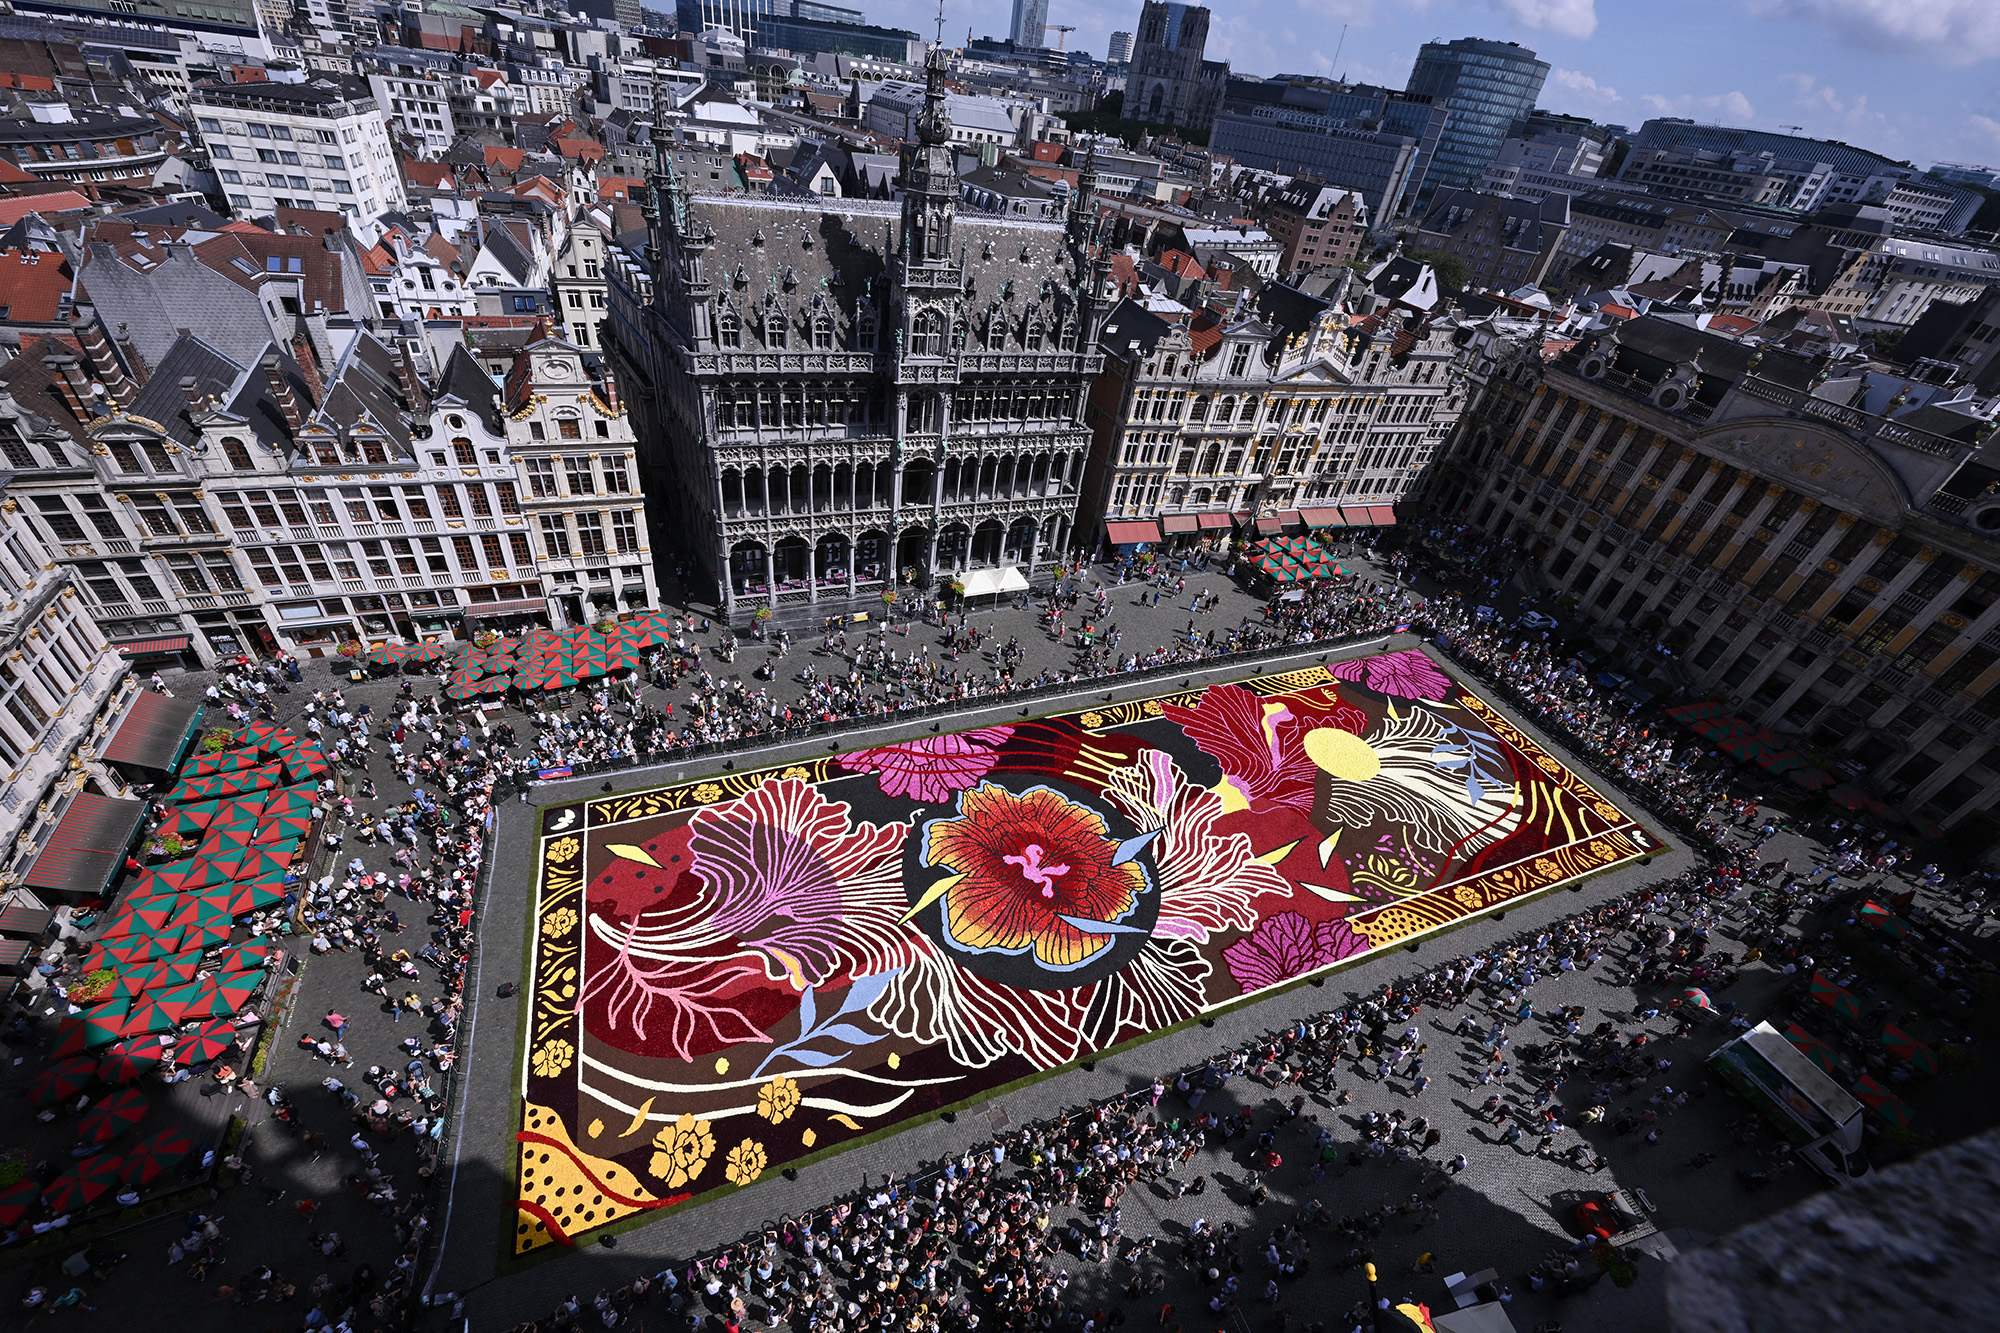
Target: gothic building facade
{"type": "Point", "coordinates": [837, 396]}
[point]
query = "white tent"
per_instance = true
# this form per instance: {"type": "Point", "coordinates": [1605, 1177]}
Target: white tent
{"type": "Point", "coordinates": [990, 582]}
{"type": "Point", "coordinates": [1488, 1318]}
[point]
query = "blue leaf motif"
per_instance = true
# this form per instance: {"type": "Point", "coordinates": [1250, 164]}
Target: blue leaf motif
{"type": "Point", "coordinates": [866, 991]}
{"type": "Point", "coordinates": [808, 1010]}
{"type": "Point", "coordinates": [846, 1032]}
{"type": "Point", "coordinates": [811, 1059]}
{"type": "Point", "coordinates": [862, 993]}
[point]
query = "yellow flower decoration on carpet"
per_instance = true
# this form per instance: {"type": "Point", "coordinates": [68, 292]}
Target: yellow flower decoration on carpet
{"type": "Point", "coordinates": [684, 1149]}
{"type": "Point", "coordinates": [707, 792]}
{"type": "Point", "coordinates": [559, 922]}
{"type": "Point", "coordinates": [746, 1162]}
{"type": "Point", "coordinates": [553, 1056]}
{"type": "Point", "coordinates": [562, 849]}
{"type": "Point", "coordinates": [796, 771]}
{"type": "Point", "coordinates": [777, 1099]}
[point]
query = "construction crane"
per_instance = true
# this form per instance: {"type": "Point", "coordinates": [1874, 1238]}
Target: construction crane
{"type": "Point", "coordinates": [1064, 28]}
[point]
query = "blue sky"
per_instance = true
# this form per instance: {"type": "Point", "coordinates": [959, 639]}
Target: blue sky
{"type": "Point", "coordinates": [1913, 79]}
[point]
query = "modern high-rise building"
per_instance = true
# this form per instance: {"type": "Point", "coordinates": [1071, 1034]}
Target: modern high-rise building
{"type": "Point", "coordinates": [1121, 48]}
{"type": "Point", "coordinates": [1492, 87]}
{"type": "Point", "coordinates": [1030, 18]}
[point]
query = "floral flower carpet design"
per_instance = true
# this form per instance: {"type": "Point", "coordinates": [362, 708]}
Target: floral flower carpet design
{"type": "Point", "coordinates": [745, 970]}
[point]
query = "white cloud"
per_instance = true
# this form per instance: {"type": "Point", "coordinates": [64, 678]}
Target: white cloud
{"type": "Point", "coordinates": [1822, 101]}
{"type": "Point", "coordinates": [1582, 85]}
{"type": "Point", "coordinates": [1987, 126]}
{"type": "Point", "coordinates": [1955, 32]}
{"type": "Point", "coordinates": [1730, 106]}
{"type": "Point", "coordinates": [1565, 18]}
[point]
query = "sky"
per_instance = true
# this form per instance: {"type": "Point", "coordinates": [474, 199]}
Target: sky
{"type": "Point", "coordinates": [1917, 80]}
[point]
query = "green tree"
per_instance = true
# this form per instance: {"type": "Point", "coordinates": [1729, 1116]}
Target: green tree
{"type": "Point", "coordinates": [1452, 270]}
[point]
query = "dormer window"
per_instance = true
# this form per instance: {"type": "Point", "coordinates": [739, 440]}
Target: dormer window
{"type": "Point", "coordinates": [1033, 340]}
{"type": "Point", "coordinates": [775, 332]}
{"type": "Point", "coordinates": [729, 331]}
{"type": "Point", "coordinates": [822, 333]}
{"type": "Point", "coordinates": [864, 331]}
{"type": "Point", "coordinates": [927, 334]}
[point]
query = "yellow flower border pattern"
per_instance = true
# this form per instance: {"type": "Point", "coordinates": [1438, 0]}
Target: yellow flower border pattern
{"type": "Point", "coordinates": [1452, 904]}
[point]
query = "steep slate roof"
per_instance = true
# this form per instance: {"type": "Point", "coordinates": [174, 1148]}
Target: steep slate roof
{"type": "Point", "coordinates": [176, 294]}
{"type": "Point", "coordinates": [464, 382]}
{"type": "Point", "coordinates": [31, 380]}
{"type": "Point", "coordinates": [366, 390]}
{"type": "Point", "coordinates": [1131, 322]}
{"type": "Point", "coordinates": [214, 375]}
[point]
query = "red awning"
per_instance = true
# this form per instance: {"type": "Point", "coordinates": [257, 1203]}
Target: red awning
{"type": "Point", "coordinates": [154, 732]}
{"type": "Point", "coordinates": [1292, 518]}
{"type": "Point", "coordinates": [1385, 515]}
{"type": "Point", "coordinates": [1322, 518]}
{"type": "Point", "coordinates": [18, 920]}
{"type": "Point", "coordinates": [1267, 526]}
{"type": "Point", "coordinates": [540, 604]}
{"type": "Point", "coordinates": [1124, 534]}
{"type": "Point", "coordinates": [171, 643]}
{"type": "Point", "coordinates": [1358, 516]}
{"type": "Point", "coordinates": [87, 845]}
{"type": "Point", "coordinates": [1210, 522]}
{"type": "Point", "coordinates": [1176, 523]}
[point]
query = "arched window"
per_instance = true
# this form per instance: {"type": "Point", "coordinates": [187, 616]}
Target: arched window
{"type": "Point", "coordinates": [996, 330]}
{"type": "Point", "coordinates": [1033, 340]}
{"type": "Point", "coordinates": [1068, 341]}
{"type": "Point", "coordinates": [864, 330]}
{"type": "Point", "coordinates": [1199, 411]}
{"type": "Point", "coordinates": [463, 450]}
{"type": "Point", "coordinates": [238, 456]}
{"type": "Point", "coordinates": [728, 330]}
{"type": "Point", "coordinates": [822, 333]}
{"type": "Point", "coordinates": [927, 334]}
{"type": "Point", "coordinates": [775, 332]}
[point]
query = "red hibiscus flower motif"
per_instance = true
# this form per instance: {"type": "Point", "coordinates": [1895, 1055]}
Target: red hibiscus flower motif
{"type": "Point", "coordinates": [1287, 945]}
{"type": "Point", "coordinates": [931, 769]}
{"type": "Point", "coordinates": [1405, 675]}
{"type": "Point", "coordinates": [1035, 872]}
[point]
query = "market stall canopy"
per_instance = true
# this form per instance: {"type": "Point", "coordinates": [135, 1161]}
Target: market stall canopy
{"type": "Point", "coordinates": [1323, 518]}
{"type": "Point", "coordinates": [1125, 534]}
{"type": "Point", "coordinates": [16, 919]}
{"type": "Point", "coordinates": [88, 844]}
{"type": "Point", "coordinates": [155, 731]}
{"type": "Point", "coordinates": [1176, 524]}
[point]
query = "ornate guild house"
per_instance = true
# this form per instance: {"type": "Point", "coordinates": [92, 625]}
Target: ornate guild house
{"type": "Point", "coordinates": [835, 396]}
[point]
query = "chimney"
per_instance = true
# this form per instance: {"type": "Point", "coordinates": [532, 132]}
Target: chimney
{"type": "Point", "coordinates": [69, 382]}
{"type": "Point", "coordinates": [412, 383]}
{"type": "Point", "coordinates": [191, 391]}
{"type": "Point", "coordinates": [141, 372]}
{"type": "Point", "coordinates": [281, 392]}
{"type": "Point", "coordinates": [307, 356]}
{"type": "Point", "coordinates": [610, 388]}
{"type": "Point", "coordinates": [90, 336]}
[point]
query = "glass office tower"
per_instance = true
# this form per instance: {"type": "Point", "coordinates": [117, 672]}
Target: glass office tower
{"type": "Point", "coordinates": [1491, 87]}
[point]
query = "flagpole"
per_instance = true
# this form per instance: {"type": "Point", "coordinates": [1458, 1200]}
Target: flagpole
{"type": "Point", "coordinates": [1374, 1304]}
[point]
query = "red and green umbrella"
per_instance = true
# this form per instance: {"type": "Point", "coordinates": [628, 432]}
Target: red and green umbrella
{"type": "Point", "coordinates": [222, 761]}
{"type": "Point", "coordinates": [129, 1059]}
{"type": "Point", "coordinates": [200, 811]}
{"type": "Point", "coordinates": [175, 1001]}
{"type": "Point", "coordinates": [1697, 998]}
{"type": "Point", "coordinates": [72, 1036]}
{"type": "Point", "coordinates": [204, 873]}
{"type": "Point", "coordinates": [153, 1156]}
{"type": "Point", "coordinates": [163, 973]}
{"type": "Point", "coordinates": [1874, 914]}
{"type": "Point", "coordinates": [1782, 761]}
{"type": "Point", "coordinates": [1813, 1049]}
{"type": "Point", "coordinates": [206, 1044]}
{"type": "Point", "coordinates": [104, 1023]}
{"type": "Point", "coordinates": [1881, 1101]}
{"type": "Point", "coordinates": [60, 1082]}
{"type": "Point", "coordinates": [1694, 711]}
{"type": "Point", "coordinates": [83, 1184]}
{"type": "Point", "coordinates": [19, 1200]}
{"type": "Point", "coordinates": [1909, 1050]}
{"type": "Point", "coordinates": [113, 1116]}
{"type": "Point", "coordinates": [253, 894]}
{"type": "Point", "coordinates": [240, 816]}
{"type": "Point", "coordinates": [265, 865]}
{"type": "Point", "coordinates": [1812, 779]}
{"type": "Point", "coordinates": [250, 956]}
{"type": "Point", "coordinates": [1834, 997]}
{"type": "Point", "coordinates": [156, 912]}
{"type": "Point", "coordinates": [148, 1015]}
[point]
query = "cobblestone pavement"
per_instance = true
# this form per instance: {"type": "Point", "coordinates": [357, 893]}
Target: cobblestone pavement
{"type": "Point", "coordinates": [1502, 1212]}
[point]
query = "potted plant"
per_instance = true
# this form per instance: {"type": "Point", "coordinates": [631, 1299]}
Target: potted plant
{"type": "Point", "coordinates": [95, 983]}
{"type": "Point", "coordinates": [486, 638]}
{"type": "Point", "coordinates": [215, 739]}
{"type": "Point", "coordinates": [888, 597]}
{"type": "Point", "coordinates": [172, 847]}
{"type": "Point", "coordinates": [351, 649]}
{"type": "Point", "coordinates": [762, 613]}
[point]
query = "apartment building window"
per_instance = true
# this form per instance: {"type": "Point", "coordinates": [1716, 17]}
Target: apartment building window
{"type": "Point", "coordinates": [510, 503]}
{"type": "Point", "coordinates": [462, 447]}
{"type": "Point", "coordinates": [555, 537]}
{"type": "Point", "coordinates": [461, 547]}
{"type": "Point", "coordinates": [577, 468]}
{"type": "Point", "coordinates": [524, 554]}
{"type": "Point", "coordinates": [590, 534]}
{"type": "Point", "coordinates": [416, 502]}
{"type": "Point", "coordinates": [475, 494]}
{"type": "Point", "coordinates": [433, 552]}
{"type": "Point", "coordinates": [489, 543]}
{"type": "Point", "coordinates": [616, 479]}
{"type": "Point", "coordinates": [448, 502]}
{"type": "Point", "coordinates": [542, 478]}
{"type": "Point", "coordinates": [156, 518]}
{"type": "Point", "coordinates": [625, 529]}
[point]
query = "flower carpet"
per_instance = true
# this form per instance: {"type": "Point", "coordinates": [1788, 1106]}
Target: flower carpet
{"type": "Point", "coordinates": [738, 972]}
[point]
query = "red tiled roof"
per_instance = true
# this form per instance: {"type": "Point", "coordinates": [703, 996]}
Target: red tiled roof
{"type": "Point", "coordinates": [32, 284]}
{"type": "Point", "coordinates": [13, 175]}
{"type": "Point", "coordinates": [1732, 323]}
{"type": "Point", "coordinates": [488, 77]}
{"type": "Point", "coordinates": [507, 159]}
{"type": "Point", "coordinates": [1205, 332]}
{"type": "Point", "coordinates": [428, 175]}
{"type": "Point", "coordinates": [16, 207]}
{"type": "Point", "coordinates": [1183, 265]}
{"type": "Point", "coordinates": [1617, 311]}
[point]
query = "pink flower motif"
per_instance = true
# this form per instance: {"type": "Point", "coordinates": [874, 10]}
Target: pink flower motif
{"type": "Point", "coordinates": [1406, 675]}
{"type": "Point", "coordinates": [1287, 945]}
{"type": "Point", "coordinates": [933, 768]}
